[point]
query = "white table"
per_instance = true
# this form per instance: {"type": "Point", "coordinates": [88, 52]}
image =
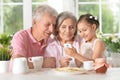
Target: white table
{"type": "Point", "coordinates": [49, 74]}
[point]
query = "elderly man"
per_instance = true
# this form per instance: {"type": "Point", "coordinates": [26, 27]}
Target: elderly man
{"type": "Point", "coordinates": [33, 41]}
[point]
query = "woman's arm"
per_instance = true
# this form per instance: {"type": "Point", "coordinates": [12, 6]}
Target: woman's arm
{"type": "Point", "coordinates": [78, 63]}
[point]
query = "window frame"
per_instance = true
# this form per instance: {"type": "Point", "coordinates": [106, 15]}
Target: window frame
{"type": "Point", "coordinates": [27, 12]}
{"type": "Point", "coordinates": [2, 11]}
{"type": "Point", "coordinates": [100, 3]}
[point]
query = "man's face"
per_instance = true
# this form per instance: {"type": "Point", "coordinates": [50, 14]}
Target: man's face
{"type": "Point", "coordinates": [45, 26]}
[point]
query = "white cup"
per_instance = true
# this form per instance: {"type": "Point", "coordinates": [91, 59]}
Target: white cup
{"type": "Point", "coordinates": [20, 66]}
{"type": "Point", "coordinates": [88, 65]}
{"type": "Point", "coordinates": [4, 66]}
{"type": "Point", "coordinates": [37, 62]}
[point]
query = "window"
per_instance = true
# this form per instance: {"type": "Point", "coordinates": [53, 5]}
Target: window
{"type": "Point", "coordinates": [14, 14]}
{"type": "Point", "coordinates": [17, 14]}
{"type": "Point", "coordinates": [11, 15]}
{"type": "Point", "coordinates": [36, 3]}
{"type": "Point", "coordinates": [106, 10]}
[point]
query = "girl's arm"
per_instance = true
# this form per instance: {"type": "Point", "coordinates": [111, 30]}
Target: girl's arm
{"type": "Point", "coordinates": [99, 49]}
{"type": "Point", "coordinates": [72, 52]}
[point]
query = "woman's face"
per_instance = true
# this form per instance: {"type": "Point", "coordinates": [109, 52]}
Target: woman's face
{"type": "Point", "coordinates": [67, 29]}
{"type": "Point", "coordinates": [87, 31]}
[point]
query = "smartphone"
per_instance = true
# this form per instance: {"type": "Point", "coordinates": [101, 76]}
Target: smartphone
{"type": "Point", "coordinates": [67, 45]}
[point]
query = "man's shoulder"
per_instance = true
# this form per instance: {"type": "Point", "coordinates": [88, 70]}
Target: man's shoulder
{"type": "Point", "coordinates": [22, 33]}
{"type": "Point", "coordinates": [52, 41]}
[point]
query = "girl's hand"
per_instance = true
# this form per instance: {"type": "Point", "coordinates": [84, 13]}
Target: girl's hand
{"type": "Point", "coordinates": [70, 51]}
{"type": "Point", "coordinates": [64, 61]}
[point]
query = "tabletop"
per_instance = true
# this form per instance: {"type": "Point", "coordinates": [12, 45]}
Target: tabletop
{"type": "Point", "coordinates": [50, 74]}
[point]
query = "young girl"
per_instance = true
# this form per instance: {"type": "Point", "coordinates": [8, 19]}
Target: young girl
{"type": "Point", "coordinates": [91, 47]}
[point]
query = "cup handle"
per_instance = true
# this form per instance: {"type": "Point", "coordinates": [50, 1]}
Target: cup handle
{"type": "Point", "coordinates": [30, 59]}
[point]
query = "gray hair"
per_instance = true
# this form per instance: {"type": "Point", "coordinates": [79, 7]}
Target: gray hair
{"type": "Point", "coordinates": [40, 10]}
{"type": "Point", "coordinates": [61, 17]}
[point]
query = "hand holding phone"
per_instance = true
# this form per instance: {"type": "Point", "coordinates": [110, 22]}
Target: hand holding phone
{"type": "Point", "coordinates": [67, 45]}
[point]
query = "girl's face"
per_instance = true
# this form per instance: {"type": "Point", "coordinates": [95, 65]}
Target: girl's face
{"type": "Point", "coordinates": [87, 31]}
{"type": "Point", "coordinates": [67, 29]}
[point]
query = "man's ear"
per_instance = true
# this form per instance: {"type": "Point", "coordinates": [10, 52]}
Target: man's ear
{"type": "Point", "coordinates": [34, 21]}
{"type": "Point", "coordinates": [94, 26]}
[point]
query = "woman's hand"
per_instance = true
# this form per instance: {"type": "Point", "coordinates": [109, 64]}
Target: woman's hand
{"type": "Point", "coordinates": [64, 61]}
{"type": "Point", "coordinates": [49, 62]}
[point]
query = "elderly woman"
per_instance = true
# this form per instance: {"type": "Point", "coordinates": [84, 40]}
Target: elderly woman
{"type": "Point", "coordinates": [65, 32]}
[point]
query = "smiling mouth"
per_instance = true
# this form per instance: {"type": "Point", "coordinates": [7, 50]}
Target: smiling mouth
{"type": "Point", "coordinates": [48, 34]}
